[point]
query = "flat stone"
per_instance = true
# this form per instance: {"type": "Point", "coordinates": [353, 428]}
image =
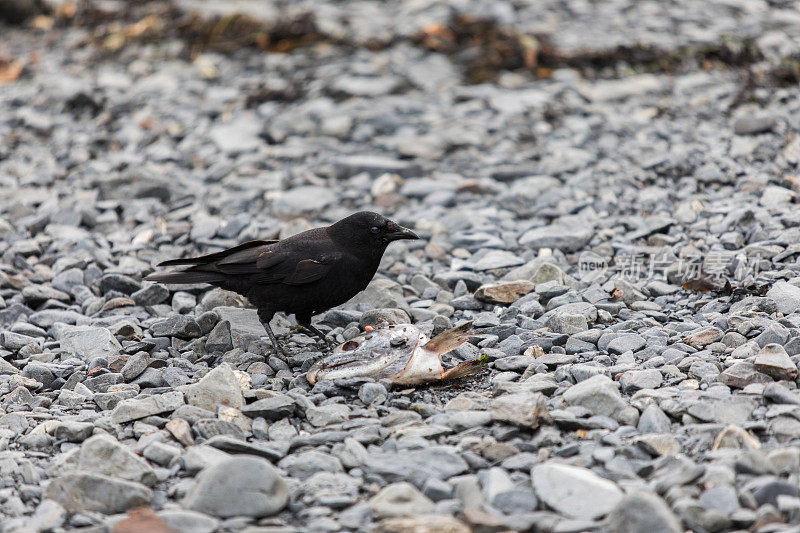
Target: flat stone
{"type": "Point", "coordinates": [721, 498]}
{"type": "Point", "coordinates": [548, 272]}
{"type": "Point", "coordinates": [516, 501]}
{"type": "Point", "coordinates": [160, 453]}
{"type": "Point", "coordinates": [574, 491]}
{"type": "Point", "coordinates": [564, 238]}
{"type": "Point", "coordinates": [220, 339]}
{"type": "Point", "coordinates": [494, 259]}
{"type": "Point", "coordinates": [192, 413]}
{"type": "Point", "coordinates": [272, 408]}
{"type": "Point", "coordinates": [334, 488]}
{"type": "Point", "coordinates": [457, 420]}
{"type": "Point", "coordinates": [654, 420]}
{"type": "Point", "coordinates": [704, 371]}
{"type": "Point", "coordinates": [274, 451]}
{"type": "Point", "coordinates": [197, 458]}
{"type": "Point", "coordinates": [49, 317]}
{"type": "Point", "coordinates": [704, 337]}
{"type": "Point", "coordinates": [150, 294]}
{"type": "Point", "coordinates": [370, 393]}
{"type": "Point", "coordinates": [109, 400]}
{"type": "Point", "coordinates": [503, 293]}
{"type": "Point", "coordinates": [181, 326]}
{"type": "Point", "coordinates": [755, 304]}
{"type": "Point", "coordinates": [626, 342]}
{"type": "Point", "coordinates": [366, 86]}
{"type": "Point", "coordinates": [82, 491]}
{"type": "Point", "coordinates": [731, 411]}
{"type": "Point", "coordinates": [136, 408]}
{"type": "Point", "coordinates": [49, 515]}
{"type": "Point", "coordinates": [303, 465]}
{"type": "Point", "coordinates": [786, 296]}
{"type": "Point", "coordinates": [238, 486]}
{"type": "Point", "coordinates": [400, 500]}
{"type": "Point", "coordinates": [598, 394]}
{"type": "Point", "coordinates": [381, 293]}
{"type": "Point", "coordinates": [515, 363]}
{"type": "Point", "coordinates": [525, 409]}
{"type": "Point", "coordinates": [753, 122]}
{"type": "Point", "coordinates": [375, 317]}
{"type": "Point", "coordinates": [773, 361]}
{"type": "Point", "coordinates": [768, 489]}
{"type": "Point", "coordinates": [102, 382]}
{"type": "Point", "coordinates": [642, 511]}
{"type": "Point", "coordinates": [73, 431]}
{"type": "Point", "coordinates": [495, 481]}
{"type": "Point", "coordinates": [325, 415]}
{"type": "Point", "coordinates": [185, 521]}
{"type": "Point", "coordinates": [634, 380]}
{"type": "Point", "coordinates": [426, 524]}
{"type": "Point", "coordinates": [15, 341]}
{"type": "Point", "coordinates": [102, 454]}
{"type": "Point", "coordinates": [439, 462]}
{"type": "Point", "coordinates": [658, 444]}
{"type": "Point", "coordinates": [772, 334]}
{"type": "Point", "coordinates": [568, 324]}
{"type": "Point", "coordinates": [181, 430]}
{"type": "Point", "coordinates": [88, 342]}
{"type": "Point", "coordinates": [450, 279]}
{"type": "Point", "coordinates": [739, 375]}
{"type": "Point", "coordinates": [219, 387]}
{"type": "Point", "coordinates": [777, 393]}
{"type": "Point", "coordinates": [775, 195]}
{"type": "Point", "coordinates": [119, 282]}
{"type": "Point", "coordinates": [134, 366]}
{"type": "Point", "coordinates": [244, 324]}
{"type": "Point", "coordinates": [208, 428]}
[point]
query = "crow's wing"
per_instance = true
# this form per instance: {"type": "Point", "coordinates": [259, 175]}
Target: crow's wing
{"type": "Point", "coordinates": [284, 266]}
{"type": "Point", "coordinates": [258, 262]}
{"type": "Point", "coordinates": [308, 270]}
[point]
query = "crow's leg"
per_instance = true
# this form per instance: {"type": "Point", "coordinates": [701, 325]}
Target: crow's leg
{"type": "Point", "coordinates": [265, 315]}
{"type": "Point", "coordinates": [305, 322]}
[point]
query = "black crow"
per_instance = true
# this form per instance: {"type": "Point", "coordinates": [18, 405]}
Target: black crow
{"type": "Point", "coordinates": [304, 274]}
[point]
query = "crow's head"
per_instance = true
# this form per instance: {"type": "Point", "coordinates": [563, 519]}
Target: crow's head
{"type": "Point", "coordinates": [369, 230]}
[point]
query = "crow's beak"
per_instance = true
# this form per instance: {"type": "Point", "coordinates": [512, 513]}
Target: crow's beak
{"type": "Point", "coordinates": [399, 232]}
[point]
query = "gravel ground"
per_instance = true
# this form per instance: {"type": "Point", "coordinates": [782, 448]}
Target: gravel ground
{"type": "Point", "coordinates": [614, 205]}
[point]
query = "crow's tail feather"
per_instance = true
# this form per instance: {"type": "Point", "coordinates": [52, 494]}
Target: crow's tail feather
{"type": "Point", "coordinates": [211, 258]}
{"type": "Point", "coordinates": [183, 261]}
{"type": "Point", "coordinates": [183, 276]}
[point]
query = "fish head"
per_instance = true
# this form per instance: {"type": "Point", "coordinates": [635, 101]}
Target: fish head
{"type": "Point", "coordinates": [382, 353]}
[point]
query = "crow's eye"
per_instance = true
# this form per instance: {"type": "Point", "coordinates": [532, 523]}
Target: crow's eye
{"type": "Point", "coordinates": [375, 229]}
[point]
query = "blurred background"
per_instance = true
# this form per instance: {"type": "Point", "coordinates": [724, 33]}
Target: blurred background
{"type": "Point", "coordinates": [211, 122]}
{"type": "Point", "coordinates": [542, 128]}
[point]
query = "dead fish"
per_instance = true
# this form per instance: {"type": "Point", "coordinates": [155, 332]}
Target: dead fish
{"type": "Point", "coordinates": [400, 352]}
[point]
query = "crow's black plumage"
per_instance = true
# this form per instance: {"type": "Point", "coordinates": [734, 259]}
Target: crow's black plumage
{"type": "Point", "coordinates": [304, 274]}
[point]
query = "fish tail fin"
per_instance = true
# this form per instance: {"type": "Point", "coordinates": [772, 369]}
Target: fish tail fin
{"type": "Point", "coordinates": [462, 370]}
{"type": "Point", "coordinates": [450, 339]}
